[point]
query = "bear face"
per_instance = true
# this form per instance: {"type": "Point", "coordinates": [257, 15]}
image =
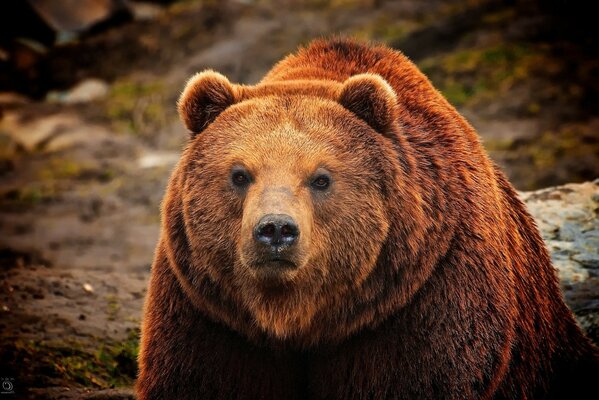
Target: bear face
{"type": "Point", "coordinates": [275, 185]}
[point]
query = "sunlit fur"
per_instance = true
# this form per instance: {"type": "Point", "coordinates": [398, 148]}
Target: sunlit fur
{"type": "Point", "coordinates": [418, 273]}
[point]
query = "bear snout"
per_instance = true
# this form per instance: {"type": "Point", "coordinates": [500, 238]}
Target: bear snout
{"type": "Point", "coordinates": [276, 231]}
{"type": "Point", "coordinates": [275, 238]}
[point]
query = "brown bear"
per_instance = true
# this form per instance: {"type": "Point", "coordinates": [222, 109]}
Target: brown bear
{"type": "Point", "coordinates": [337, 231]}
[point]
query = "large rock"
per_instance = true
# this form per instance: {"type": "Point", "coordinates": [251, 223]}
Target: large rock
{"type": "Point", "coordinates": [568, 218]}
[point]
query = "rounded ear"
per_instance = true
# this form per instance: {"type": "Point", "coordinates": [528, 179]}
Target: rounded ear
{"type": "Point", "coordinates": [372, 99]}
{"type": "Point", "coordinates": [205, 96]}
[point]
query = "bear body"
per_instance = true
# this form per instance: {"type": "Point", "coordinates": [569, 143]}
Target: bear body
{"type": "Point", "coordinates": [337, 231]}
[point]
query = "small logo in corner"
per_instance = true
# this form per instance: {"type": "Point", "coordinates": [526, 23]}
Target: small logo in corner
{"type": "Point", "coordinates": [7, 385]}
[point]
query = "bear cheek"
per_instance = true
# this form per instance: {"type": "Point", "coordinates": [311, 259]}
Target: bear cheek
{"type": "Point", "coordinates": [361, 233]}
{"type": "Point", "coordinates": [213, 218]}
{"type": "Point", "coordinates": [373, 241]}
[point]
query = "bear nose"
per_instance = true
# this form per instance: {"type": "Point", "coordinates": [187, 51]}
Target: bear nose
{"type": "Point", "coordinates": [276, 230]}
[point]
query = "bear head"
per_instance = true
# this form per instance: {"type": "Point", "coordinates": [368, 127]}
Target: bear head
{"type": "Point", "coordinates": [281, 207]}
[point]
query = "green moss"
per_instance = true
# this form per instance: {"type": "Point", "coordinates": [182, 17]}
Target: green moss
{"type": "Point", "coordinates": [533, 108]}
{"type": "Point", "coordinates": [137, 107]}
{"type": "Point", "coordinates": [60, 168]}
{"type": "Point", "coordinates": [8, 147]}
{"type": "Point", "coordinates": [552, 146]}
{"type": "Point", "coordinates": [456, 92]}
{"type": "Point", "coordinates": [25, 197]}
{"type": "Point", "coordinates": [106, 174]}
{"type": "Point", "coordinates": [386, 29]}
{"type": "Point", "coordinates": [30, 195]}
{"type": "Point", "coordinates": [474, 75]}
{"type": "Point", "coordinates": [330, 4]}
{"type": "Point", "coordinates": [112, 307]}
{"type": "Point", "coordinates": [71, 362]}
{"type": "Point", "coordinates": [185, 6]}
{"type": "Point", "coordinates": [499, 17]}
{"type": "Point", "coordinates": [550, 151]}
{"type": "Point", "coordinates": [499, 144]}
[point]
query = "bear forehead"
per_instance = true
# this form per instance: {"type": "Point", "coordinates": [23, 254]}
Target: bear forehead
{"type": "Point", "coordinates": [281, 147]}
{"type": "Point", "coordinates": [316, 88]}
{"type": "Point", "coordinates": [308, 113]}
{"type": "Point", "coordinates": [286, 128]}
{"type": "Point", "coordinates": [282, 150]}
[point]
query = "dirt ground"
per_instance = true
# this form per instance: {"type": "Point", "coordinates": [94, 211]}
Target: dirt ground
{"type": "Point", "coordinates": [81, 184]}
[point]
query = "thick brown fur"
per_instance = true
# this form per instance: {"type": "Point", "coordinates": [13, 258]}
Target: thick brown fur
{"type": "Point", "coordinates": [418, 274]}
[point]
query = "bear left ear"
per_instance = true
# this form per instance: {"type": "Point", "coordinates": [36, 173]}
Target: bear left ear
{"type": "Point", "coordinates": [205, 96]}
{"type": "Point", "coordinates": [372, 99]}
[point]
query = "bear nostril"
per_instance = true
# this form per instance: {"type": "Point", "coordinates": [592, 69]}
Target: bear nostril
{"type": "Point", "coordinates": [289, 232]}
{"type": "Point", "coordinates": [268, 230]}
{"type": "Point", "coordinates": [276, 230]}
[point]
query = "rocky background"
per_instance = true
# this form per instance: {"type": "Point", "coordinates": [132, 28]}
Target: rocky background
{"type": "Point", "coordinates": [89, 135]}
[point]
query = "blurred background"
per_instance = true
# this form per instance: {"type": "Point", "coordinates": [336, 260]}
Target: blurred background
{"type": "Point", "coordinates": [89, 134]}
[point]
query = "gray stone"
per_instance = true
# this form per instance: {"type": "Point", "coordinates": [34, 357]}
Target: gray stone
{"type": "Point", "coordinates": [52, 132]}
{"type": "Point", "coordinates": [587, 260]}
{"type": "Point", "coordinates": [85, 91]}
{"type": "Point", "coordinates": [568, 221]}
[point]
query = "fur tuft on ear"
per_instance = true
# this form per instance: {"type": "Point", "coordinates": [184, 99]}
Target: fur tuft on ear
{"type": "Point", "coordinates": [205, 96]}
{"type": "Point", "coordinates": [372, 99]}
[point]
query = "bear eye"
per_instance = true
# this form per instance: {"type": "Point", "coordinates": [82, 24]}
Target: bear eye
{"type": "Point", "coordinates": [240, 178]}
{"type": "Point", "coordinates": [321, 181]}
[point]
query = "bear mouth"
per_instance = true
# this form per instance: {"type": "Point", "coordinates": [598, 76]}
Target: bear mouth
{"type": "Point", "coordinates": [276, 264]}
{"type": "Point", "coordinates": [273, 272]}
{"type": "Point", "coordinates": [272, 264]}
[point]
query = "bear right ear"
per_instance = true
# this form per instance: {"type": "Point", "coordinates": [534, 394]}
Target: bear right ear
{"type": "Point", "coordinates": [205, 96]}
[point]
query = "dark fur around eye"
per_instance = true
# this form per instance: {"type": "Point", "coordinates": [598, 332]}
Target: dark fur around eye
{"type": "Point", "coordinates": [321, 181]}
{"type": "Point", "coordinates": [240, 178]}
